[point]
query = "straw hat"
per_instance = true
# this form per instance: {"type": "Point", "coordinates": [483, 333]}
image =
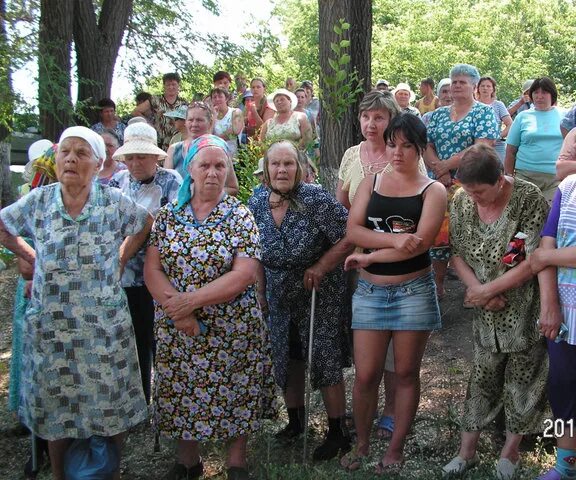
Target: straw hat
{"type": "Point", "coordinates": [139, 138]}
{"type": "Point", "coordinates": [286, 93]}
{"type": "Point", "coordinates": [405, 86]}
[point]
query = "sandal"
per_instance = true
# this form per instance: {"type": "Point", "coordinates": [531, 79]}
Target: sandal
{"type": "Point", "coordinates": [385, 426]}
{"type": "Point", "coordinates": [505, 469]}
{"type": "Point", "coordinates": [352, 461]}
{"type": "Point", "coordinates": [390, 469]}
{"type": "Point", "coordinates": [458, 466]}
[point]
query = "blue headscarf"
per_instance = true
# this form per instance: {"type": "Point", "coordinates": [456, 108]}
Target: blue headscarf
{"type": "Point", "coordinates": [203, 141]}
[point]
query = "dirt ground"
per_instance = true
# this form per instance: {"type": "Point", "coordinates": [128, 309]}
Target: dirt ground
{"type": "Point", "coordinates": [432, 443]}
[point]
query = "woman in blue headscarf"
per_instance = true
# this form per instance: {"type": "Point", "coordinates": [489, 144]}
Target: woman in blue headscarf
{"type": "Point", "coordinates": [213, 368]}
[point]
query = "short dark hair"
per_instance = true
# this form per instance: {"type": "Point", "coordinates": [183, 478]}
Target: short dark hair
{"type": "Point", "coordinates": [106, 103]}
{"type": "Point", "coordinates": [299, 90]}
{"type": "Point", "coordinates": [546, 84]}
{"type": "Point", "coordinates": [142, 97]}
{"type": "Point", "coordinates": [307, 84]}
{"type": "Point", "coordinates": [411, 127]}
{"type": "Point", "coordinates": [487, 79]}
{"type": "Point", "coordinates": [167, 77]}
{"type": "Point", "coordinates": [379, 100]}
{"type": "Point", "coordinates": [220, 90]}
{"type": "Point", "coordinates": [480, 165]}
{"type": "Point", "coordinates": [220, 74]}
{"type": "Point", "coordinates": [428, 81]}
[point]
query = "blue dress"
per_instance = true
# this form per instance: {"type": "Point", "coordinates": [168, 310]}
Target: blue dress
{"type": "Point", "coordinates": [287, 251]}
{"type": "Point", "coordinates": [80, 374]}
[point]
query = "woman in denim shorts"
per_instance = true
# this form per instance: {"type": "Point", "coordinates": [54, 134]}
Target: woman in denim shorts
{"type": "Point", "coordinates": [395, 218]}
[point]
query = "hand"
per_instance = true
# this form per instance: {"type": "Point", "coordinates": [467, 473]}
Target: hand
{"type": "Point", "coordinates": [357, 260]}
{"type": "Point", "coordinates": [178, 305]}
{"type": "Point", "coordinates": [496, 303]}
{"type": "Point", "coordinates": [28, 289]}
{"type": "Point", "coordinates": [550, 320]}
{"type": "Point", "coordinates": [445, 180]}
{"type": "Point", "coordinates": [406, 242]}
{"type": "Point", "coordinates": [313, 276]}
{"type": "Point", "coordinates": [525, 98]}
{"type": "Point", "coordinates": [440, 169]}
{"type": "Point", "coordinates": [538, 260]}
{"type": "Point", "coordinates": [477, 296]}
{"type": "Point", "coordinates": [188, 325]}
{"type": "Point", "coordinates": [261, 297]}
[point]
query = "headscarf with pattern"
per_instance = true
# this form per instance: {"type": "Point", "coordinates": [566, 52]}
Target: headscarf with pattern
{"type": "Point", "coordinates": [203, 141]}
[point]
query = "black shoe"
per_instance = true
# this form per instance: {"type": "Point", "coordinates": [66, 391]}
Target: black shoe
{"type": "Point", "coordinates": [289, 432]}
{"type": "Point", "coordinates": [333, 446]}
{"type": "Point", "coordinates": [237, 473]}
{"type": "Point", "coordinates": [181, 472]}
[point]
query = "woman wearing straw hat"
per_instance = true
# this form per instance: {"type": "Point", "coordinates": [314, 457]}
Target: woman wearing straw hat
{"type": "Point", "coordinates": [286, 124]}
{"type": "Point", "coordinates": [151, 187]}
{"type": "Point", "coordinates": [213, 369]}
{"type": "Point", "coordinates": [404, 97]}
{"type": "Point", "coordinates": [80, 374]}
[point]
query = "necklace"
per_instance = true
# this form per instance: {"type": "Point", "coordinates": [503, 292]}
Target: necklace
{"type": "Point", "coordinates": [373, 166]}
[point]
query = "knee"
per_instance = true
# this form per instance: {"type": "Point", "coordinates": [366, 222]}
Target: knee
{"type": "Point", "coordinates": [407, 377]}
{"type": "Point", "coordinates": [366, 381]}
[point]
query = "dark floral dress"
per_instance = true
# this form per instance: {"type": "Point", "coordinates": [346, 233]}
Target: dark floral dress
{"type": "Point", "coordinates": [287, 251]}
{"type": "Point", "coordinates": [219, 384]}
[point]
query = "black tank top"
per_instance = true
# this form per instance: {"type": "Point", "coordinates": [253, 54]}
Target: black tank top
{"type": "Point", "coordinates": [396, 215]}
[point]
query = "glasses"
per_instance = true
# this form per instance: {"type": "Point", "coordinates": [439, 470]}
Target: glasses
{"type": "Point", "coordinates": [202, 105]}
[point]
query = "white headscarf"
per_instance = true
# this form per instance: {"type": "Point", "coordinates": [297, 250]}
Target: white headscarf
{"type": "Point", "coordinates": [94, 140]}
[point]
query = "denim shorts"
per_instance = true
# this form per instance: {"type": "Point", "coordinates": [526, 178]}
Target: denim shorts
{"type": "Point", "coordinates": [411, 305]}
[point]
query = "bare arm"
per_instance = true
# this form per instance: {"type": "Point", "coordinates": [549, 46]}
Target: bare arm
{"type": "Point", "coordinates": [521, 101]}
{"type": "Point", "coordinates": [17, 245]}
{"type": "Point", "coordinates": [510, 159]}
{"type": "Point", "coordinates": [550, 311]}
{"type": "Point", "coordinates": [263, 131]}
{"type": "Point", "coordinates": [141, 109]}
{"type": "Point", "coordinates": [326, 263]}
{"type": "Point", "coordinates": [566, 163]}
{"type": "Point", "coordinates": [507, 121]}
{"type": "Point", "coordinates": [132, 244]}
{"type": "Point", "coordinates": [342, 195]}
{"type": "Point", "coordinates": [168, 161]}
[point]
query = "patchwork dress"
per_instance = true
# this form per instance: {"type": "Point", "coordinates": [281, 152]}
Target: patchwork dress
{"type": "Point", "coordinates": [80, 374]}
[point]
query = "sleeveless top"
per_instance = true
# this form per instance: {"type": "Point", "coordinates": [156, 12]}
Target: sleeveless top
{"type": "Point", "coordinates": [396, 215]}
{"type": "Point", "coordinates": [223, 124]}
{"type": "Point", "coordinates": [433, 105]}
{"type": "Point", "coordinates": [289, 130]}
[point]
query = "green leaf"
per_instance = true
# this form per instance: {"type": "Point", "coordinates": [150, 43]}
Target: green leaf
{"type": "Point", "coordinates": [345, 26]}
{"type": "Point", "coordinates": [345, 43]}
{"type": "Point", "coordinates": [335, 48]}
{"type": "Point", "coordinates": [340, 75]}
{"type": "Point", "coordinates": [333, 63]}
{"type": "Point", "coordinates": [337, 30]}
{"type": "Point", "coordinates": [344, 59]}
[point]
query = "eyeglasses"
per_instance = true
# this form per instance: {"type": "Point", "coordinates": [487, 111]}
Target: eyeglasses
{"type": "Point", "coordinates": [202, 105]}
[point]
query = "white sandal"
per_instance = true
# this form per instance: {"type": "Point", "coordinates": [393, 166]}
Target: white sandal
{"type": "Point", "coordinates": [458, 466]}
{"type": "Point", "coordinates": [505, 469]}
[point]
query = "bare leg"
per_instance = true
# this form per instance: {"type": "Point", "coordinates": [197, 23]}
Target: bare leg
{"type": "Point", "coordinates": [188, 453]}
{"type": "Point", "coordinates": [389, 393]}
{"type": "Point", "coordinates": [237, 452]}
{"type": "Point", "coordinates": [334, 400]}
{"type": "Point", "coordinates": [57, 449]}
{"type": "Point", "coordinates": [409, 348]}
{"type": "Point", "coordinates": [369, 354]}
{"type": "Point", "coordinates": [511, 448]}
{"type": "Point", "coordinates": [440, 268]}
{"type": "Point", "coordinates": [468, 444]}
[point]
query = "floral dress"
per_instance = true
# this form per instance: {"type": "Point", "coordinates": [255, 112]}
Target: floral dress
{"type": "Point", "coordinates": [287, 251]}
{"type": "Point", "coordinates": [219, 384]}
{"type": "Point", "coordinates": [80, 374]}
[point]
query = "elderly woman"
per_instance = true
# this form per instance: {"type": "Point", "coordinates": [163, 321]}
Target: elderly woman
{"type": "Point", "coordinates": [287, 124]}
{"type": "Point", "coordinates": [228, 121]}
{"type": "Point", "coordinates": [110, 166]}
{"type": "Point", "coordinates": [444, 98]}
{"type": "Point", "coordinates": [535, 139]}
{"type": "Point", "coordinates": [405, 96]}
{"type": "Point", "coordinates": [302, 229]}
{"type": "Point", "coordinates": [80, 373]}
{"type": "Point", "coordinates": [451, 131]}
{"type": "Point", "coordinates": [486, 93]}
{"type": "Point", "coordinates": [213, 369]}
{"type": "Point", "coordinates": [199, 120]}
{"type": "Point", "coordinates": [151, 187]}
{"type": "Point", "coordinates": [555, 262]}
{"type": "Point", "coordinates": [395, 217]}
{"type": "Point", "coordinates": [108, 119]}
{"type": "Point", "coordinates": [509, 368]}
{"type": "Point", "coordinates": [261, 109]}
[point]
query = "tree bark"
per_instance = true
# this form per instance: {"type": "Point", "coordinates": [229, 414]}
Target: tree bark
{"type": "Point", "coordinates": [97, 41]}
{"type": "Point", "coordinates": [6, 110]}
{"type": "Point", "coordinates": [340, 134]}
{"type": "Point", "coordinates": [54, 47]}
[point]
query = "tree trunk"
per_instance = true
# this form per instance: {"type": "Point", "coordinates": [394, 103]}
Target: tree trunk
{"type": "Point", "coordinates": [340, 134]}
{"type": "Point", "coordinates": [6, 106]}
{"type": "Point", "coordinates": [97, 41]}
{"type": "Point", "coordinates": [54, 46]}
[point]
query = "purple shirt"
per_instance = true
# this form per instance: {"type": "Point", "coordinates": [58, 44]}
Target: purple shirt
{"type": "Point", "coordinates": [551, 226]}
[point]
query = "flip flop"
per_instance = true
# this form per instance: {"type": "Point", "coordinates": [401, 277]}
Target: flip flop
{"type": "Point", "coordinates": [352, 461]}
{"type": "Point", "coordinates": [385, 426]}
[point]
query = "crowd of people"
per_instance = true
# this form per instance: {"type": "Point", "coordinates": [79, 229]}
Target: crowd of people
{"type": "Point", "coordinates": [145, 281]}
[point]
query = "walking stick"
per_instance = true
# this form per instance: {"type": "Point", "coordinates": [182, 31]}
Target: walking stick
{"type": "Point", "coordinates": [308, 374]}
